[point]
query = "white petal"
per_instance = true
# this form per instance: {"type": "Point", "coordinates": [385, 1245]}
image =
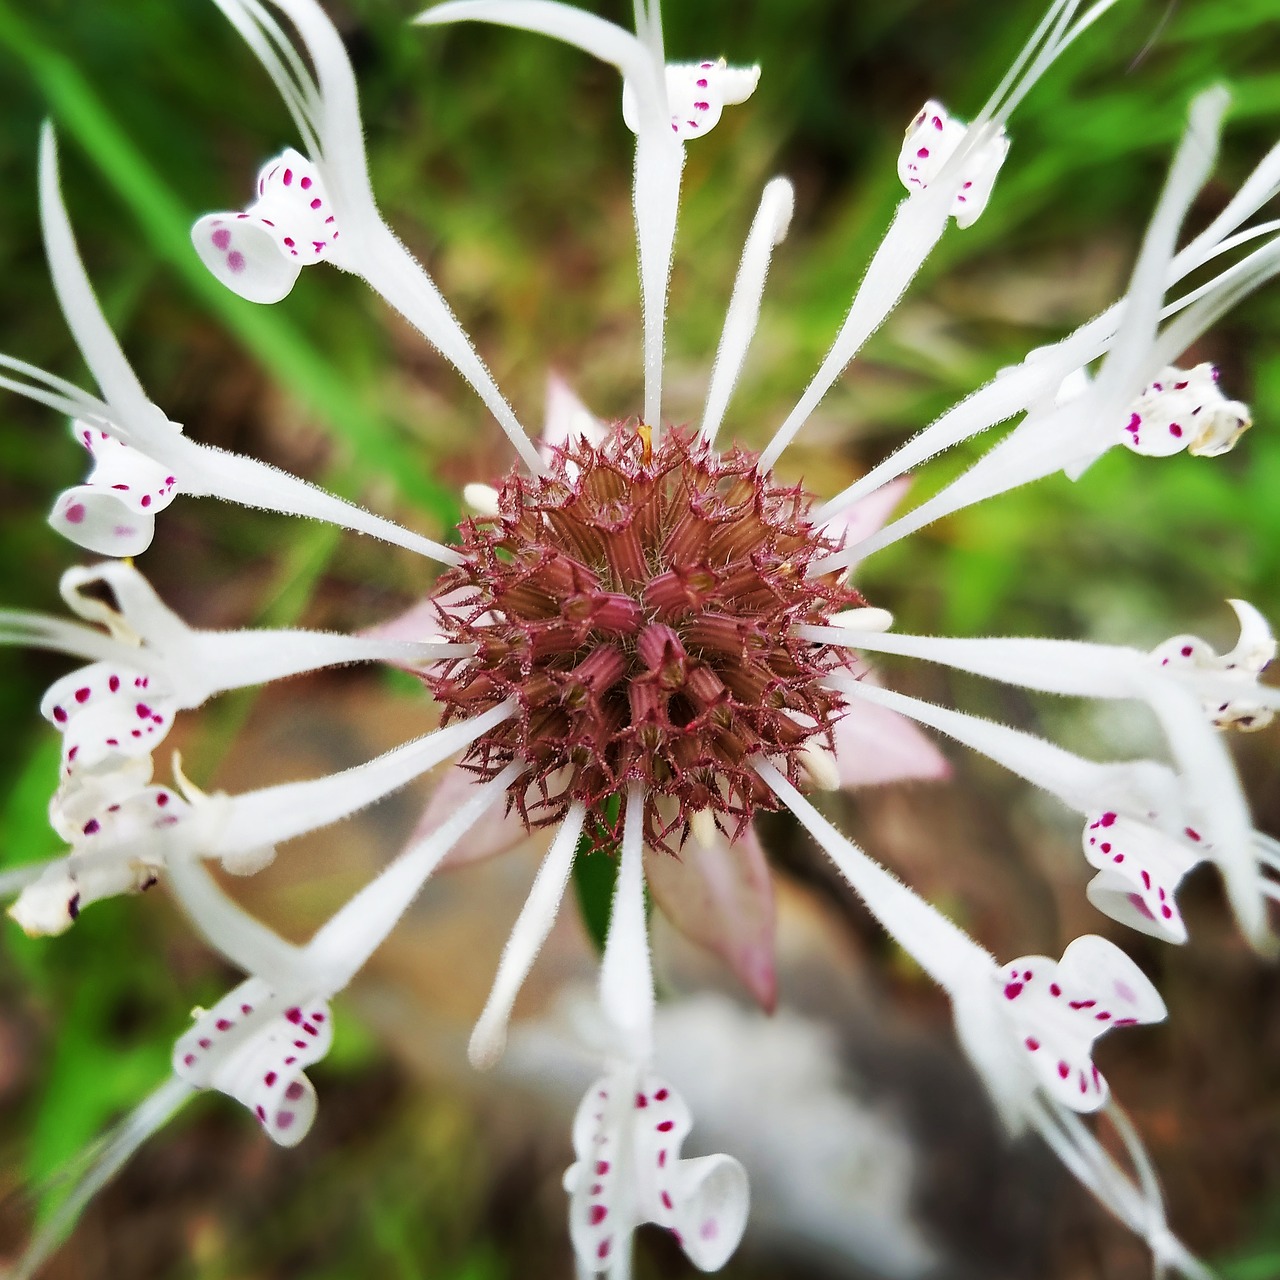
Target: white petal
{"type": "Point", "coordinates": [253, 1048]}
{"type": "Point", "coordinates": [259, 253]}
{"type": "Point", "coordinates": [106, 711]}
{"type": "Point", "coordinates": [626, 975]}
{"type": "Point", "coordinates": [932, 139]}
{"type": "Point", "coordinates": [1139, 870]}
{"type": "Point", "coordinates": [531, 929]}
{"type": "Point", "coordinates": [767, 231]}
{"type": "Point", "coordinates": [107, 363]}
{"type": "Point", "coordinates": [274, 814]}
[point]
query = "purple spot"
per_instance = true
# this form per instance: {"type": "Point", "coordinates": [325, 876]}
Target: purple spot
{"type": "Point", "coordinates": [923, 153]}
{"type": "Point", "coordinates": [316, 203]}
{"type": "Point", "coordinates": [597, 1214]}
{"type": "Point", "coordinates": [82, 695]}
{"type": "Point", "coordinates": [270, 1078]}
{"type": "Point", "coordinates": [294, 1091]}
{"type": "Point", "coordinates": [305, 184]}
{"type": "Point", "coordinates": [235, 260]}
{"type": "Point", "coordinates": [666, 1200]}
{"type": "Point", "coordinates": [60, 715]}
{"type": "Point", "coordinates": [1012, 990]}
{"type": "Point", "coordinates": [1032, 1043]}
{"type": "Point", "coordinates": [222, 239]}
{"type": "Point", "coordinates": [91, 827]}
{"type": "Point", "coordinates": [288, 178]}
{"type": "Point", "coordinates": [284, 1119]}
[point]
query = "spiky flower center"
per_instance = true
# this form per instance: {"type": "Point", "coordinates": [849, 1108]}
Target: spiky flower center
{"type": "Point", "coordinates": [640, 606]}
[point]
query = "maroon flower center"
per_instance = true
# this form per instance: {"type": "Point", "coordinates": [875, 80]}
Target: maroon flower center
{"type": "Point", "coordinates": [640, 607]}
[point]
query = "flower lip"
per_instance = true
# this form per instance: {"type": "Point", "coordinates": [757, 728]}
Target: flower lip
{"type": "Point", "coordinates": [641, 604]}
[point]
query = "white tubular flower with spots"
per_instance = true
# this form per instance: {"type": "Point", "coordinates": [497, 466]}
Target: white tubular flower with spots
{"type": "Point", "coordinates": [630, 1125]}
{"type": "Point", "coordinates": [663, 105]}
{"type": "Point", "coordinates": [1027, 1027]}
{"type": "Point", "coordinates": [1210, 793]}
{"type": "Point", "coordinates": [142, 461]}
{"type": "Point", "coordinates": [320, 207]}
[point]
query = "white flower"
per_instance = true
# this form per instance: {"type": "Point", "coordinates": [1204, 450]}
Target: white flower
{"type": "Point", "coordinates": [627, 1137]}
{"type": "Point", "coordinates": [697, 94]}
{"type": "Point", "coordinates": [1238, 670]}
{"type": "Point", "coordinates": [1180, 410]}
{"type": "Point", "coordinates": [933, 138]}
{"type": "Point", "coordinates": [259, 253]}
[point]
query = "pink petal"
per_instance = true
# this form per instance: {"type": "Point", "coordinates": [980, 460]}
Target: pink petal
{"type": "Point", "coordinates": [721, 897]}
{"type": "Point", "coordinates": [868, 516]}
{"type": "Point", "coordinates": [496, 832]}
{"type": "Point", "coordinates": [567, 418]}
{"type": "Point", "coordinates": [420, 622]}
{"type": "Point", "coordinates": [875, 745]}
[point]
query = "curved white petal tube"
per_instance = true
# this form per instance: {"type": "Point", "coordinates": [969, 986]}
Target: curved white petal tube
{"type": "Point", "coordinates": [626, 971]}
{"type": "Point", "coordinates": [527, 937]}
{"type": "Point", "coordinates": [627, 1136]}
{"type": "Point", "coordinates": [768, 230]}
{"type": "Point", "coordinates": [659, 150]}
{"type": "Point", "coordinates": [275, 814]}
{"type": "Point", "coordinates": [253, 252]}
{"type": "Point", "coordinates": [105, 1159]}
{"type": "Point", "coordinates": [341, 947]}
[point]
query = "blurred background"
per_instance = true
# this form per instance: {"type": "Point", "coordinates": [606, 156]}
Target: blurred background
{"type": "Point", "coordinates": [502, 160]}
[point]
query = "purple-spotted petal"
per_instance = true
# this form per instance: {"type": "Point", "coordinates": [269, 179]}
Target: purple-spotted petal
{"type": "Point", "coordinates": [720, 895]}
{"type": "Point", "coordinates": [254, 1048]}
{"type": "Point", "coordinates": [1139, 870]}
{"type": "Point", "coordinates": [931, 141]}
{"type": "Point", "coordinates": [260, 252]}
{"type": "Point", "coordinates": [627, 1137]}
{"type": "Point", "coordinates": [1060, 1009]}
{"type": "Point", "coordinates": [106, 712]}
{"type": "Point", "coordinates": [1252, 654]}
{"type": "Point", "coordinates": [697, 94]}
{"type": "Point", "coordinates": [1184, 409]}
{"type": "Point", "coordinates": [113, 513]}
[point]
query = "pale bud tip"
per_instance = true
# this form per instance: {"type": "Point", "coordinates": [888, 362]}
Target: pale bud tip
{"type": "Point", "coordinates": [866, 619]}
{"type": "Point", "coordinates": [481, 498]}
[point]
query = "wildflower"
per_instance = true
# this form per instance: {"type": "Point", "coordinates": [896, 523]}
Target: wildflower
{"type": "Point", "coordinates": [641, 640]}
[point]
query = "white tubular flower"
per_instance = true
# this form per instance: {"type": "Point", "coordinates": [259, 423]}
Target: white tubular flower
{"type": "Point", "coordinates": [1241, 667]}
{"type": "Point", "coordinates": [121, 833]}
{"type": "Point", "coordinates": [305, 203]}
{"type": "Point", "coordinates": [932, 140]}
{"type": "Point", "coordinates": [256, 1042]}
{"type": "Point", "coordinates": [627, 1136]}
{"type": "Point", "coordinates": [260, 253]}
{"type": "Point", "coordinates": [254, 1049]}
{"type": "Point", "coordinates": [1059, 1009]}
{"type": "Point", "coordinates": [1212, 799]}
{"type": "Point", "coordinates": [152, 665]}
{"type": "Point", "coordinates": [631, 1125]}
{"type": "Point", "coordinates": [1069, 433]}
{"type": "Point", "coordinates": [663, 105]}
{"type": "Point", "coordinates": [142, 461]}
{"type": "Point", "coordinates": [697, 94]}
{"type": "Point", "coordinates": [1022, 1024]}
{"type": "Point", "coordinates": [114, 512]}
{"type": "Point", "coordinates": [1180, 410]}
{"type": "Point", "coordinates": [922, 218]}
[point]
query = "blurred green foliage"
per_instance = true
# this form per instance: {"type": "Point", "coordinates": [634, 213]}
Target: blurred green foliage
{"type": "Point", "coordinates": [502, 161]}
